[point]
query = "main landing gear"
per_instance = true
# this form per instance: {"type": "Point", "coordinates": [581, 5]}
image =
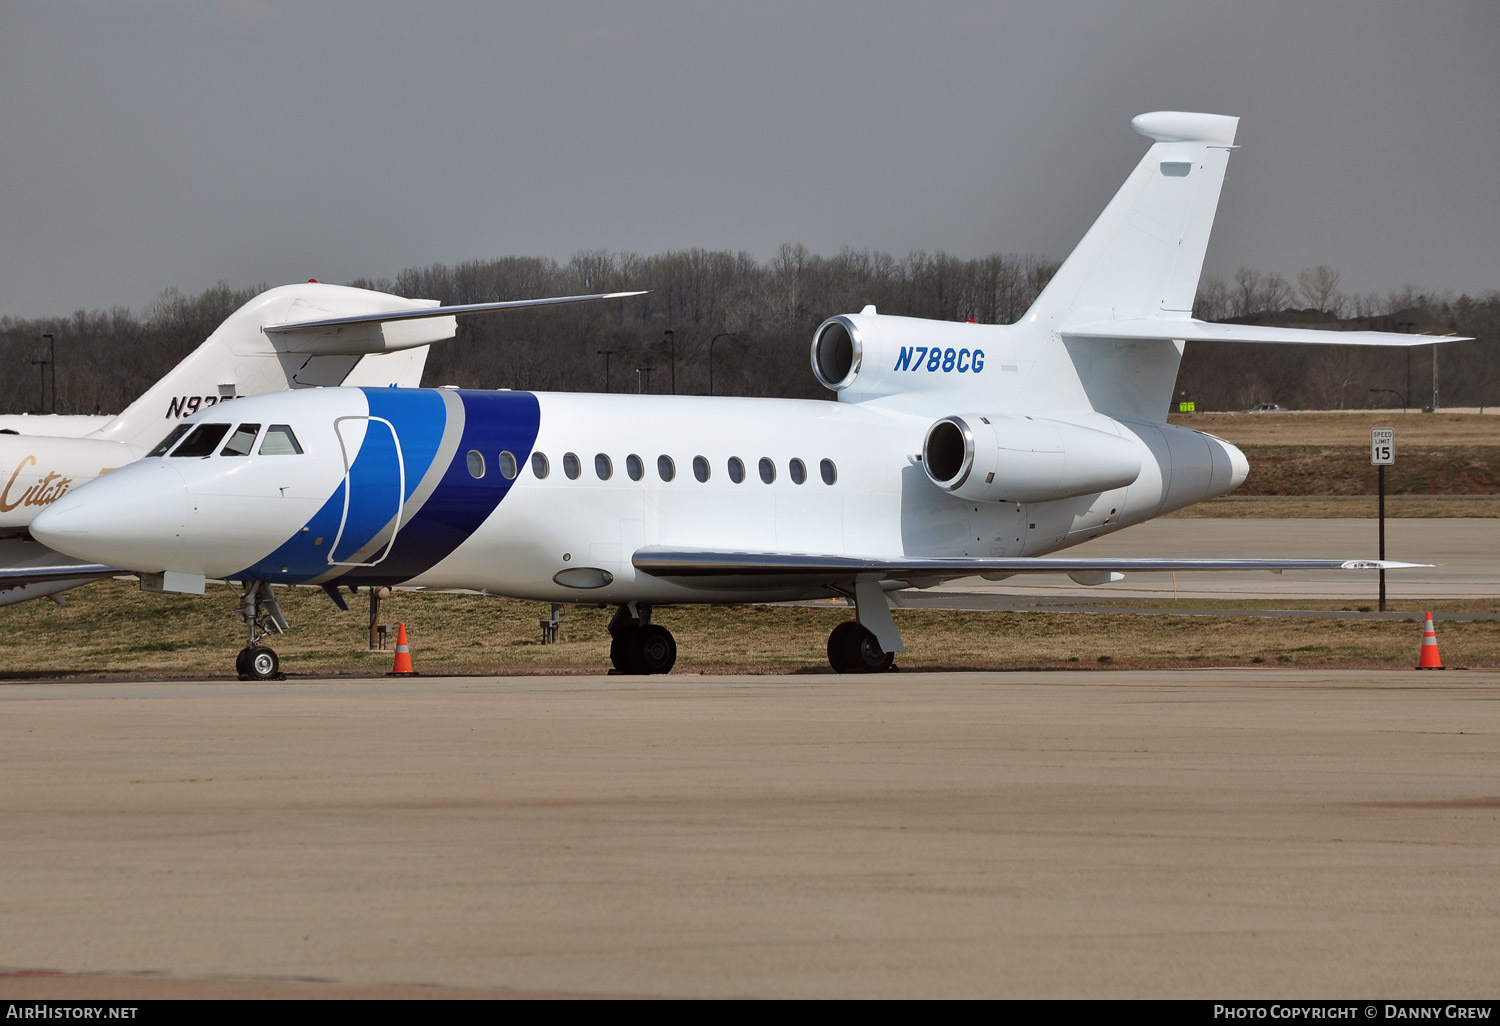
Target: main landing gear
{"type": "Point", "coordinates": [637, 645]}
{"type": "Point", "coordinates": [853, 648]}
{"type": "Point", "coordinates": [868, 644]}
{"type": "Point", "coordinates": [262, 617]}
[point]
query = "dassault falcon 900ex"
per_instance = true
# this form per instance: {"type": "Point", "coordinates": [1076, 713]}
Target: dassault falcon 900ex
{"type": "Point", "coordinates": [955, 449]}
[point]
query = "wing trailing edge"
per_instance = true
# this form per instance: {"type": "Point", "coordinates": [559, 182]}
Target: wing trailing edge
{"type": "Point", "coordinates": [709, 566]}
{"type": "Point", "coordinates": [19, 576]}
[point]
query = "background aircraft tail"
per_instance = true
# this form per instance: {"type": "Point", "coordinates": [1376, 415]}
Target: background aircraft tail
{"type": "Point", "coordinates": [242, 358]}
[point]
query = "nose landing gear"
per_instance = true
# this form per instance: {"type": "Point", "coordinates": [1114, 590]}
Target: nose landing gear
{"type": "Point", "coordinates": [262, 617]}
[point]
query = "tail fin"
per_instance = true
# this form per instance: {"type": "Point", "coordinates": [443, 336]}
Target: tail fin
{"type": "Point", "coordinates": [304, 336]}
{"type": "Point", "coordinates": [1140, 261]}
{"type": "Point", "coordinates": [1107, 333]}
{"type": "Point", "coordinates": [1143, 256]}
{"type": "Point", "coordinates": [1122, 303]}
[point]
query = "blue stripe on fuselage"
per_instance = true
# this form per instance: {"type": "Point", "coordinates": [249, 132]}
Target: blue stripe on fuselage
{"type": "Point", "coordinates": [493, 421]}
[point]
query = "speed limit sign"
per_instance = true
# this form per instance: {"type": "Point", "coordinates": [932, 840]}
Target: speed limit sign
{"type": "Point", "coordinates": [1382, 447]}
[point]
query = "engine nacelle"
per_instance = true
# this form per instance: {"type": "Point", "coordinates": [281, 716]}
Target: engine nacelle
{"type": "Point", "coordinates": [866, 355]}
{"type": "Point", "coordinates": [1009, 458]}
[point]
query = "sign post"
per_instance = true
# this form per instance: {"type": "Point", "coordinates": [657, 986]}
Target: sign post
{"type": "Point", "coordinates": [1382, 455]}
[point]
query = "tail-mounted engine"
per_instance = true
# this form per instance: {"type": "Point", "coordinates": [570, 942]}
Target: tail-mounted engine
{"type": "Point", "coordinates": [1010, 458]}
{"type": "Point", "coordinates": [865, 355]}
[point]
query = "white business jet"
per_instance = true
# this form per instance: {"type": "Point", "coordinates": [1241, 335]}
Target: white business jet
{"type": "Point", "coordinates": [295, 336]}
{"type": "Point", "coordinates": [955, 449]}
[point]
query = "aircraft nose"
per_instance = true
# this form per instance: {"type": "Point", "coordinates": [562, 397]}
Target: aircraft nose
{"type": "Point", "coordinates": [131, 518]}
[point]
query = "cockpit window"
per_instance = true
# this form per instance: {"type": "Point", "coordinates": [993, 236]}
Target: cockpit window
{"type": "Point", "coordinates": [171, 440]}
{"type": "Point", "coordinates": [280, 441]}
{"type": "Point", "coordinates": [242, 441]}
{"type": "Point", "coordinates": [203, 441]}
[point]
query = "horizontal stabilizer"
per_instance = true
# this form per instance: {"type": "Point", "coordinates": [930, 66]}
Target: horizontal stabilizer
{"type": "Point", "coordinates": [440, 311]}
{"type": "Point", "coordinates": [387, 331]}
{"type": "Point", "coordinates": [1188, 330]}
{"type": "Point", "coordinates": [778, 567]}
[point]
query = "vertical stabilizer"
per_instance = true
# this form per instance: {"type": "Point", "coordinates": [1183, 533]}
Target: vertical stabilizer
{"type": "Point", "coordinates": [1140, 260]}
{"type": "Point", "coordinates": [1143, 256]}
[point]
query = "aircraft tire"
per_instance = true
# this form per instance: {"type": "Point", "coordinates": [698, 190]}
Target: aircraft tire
{"type": "Point", "coordinates": [242, 663]}
{"type": "Point", "coordinates": [652, 650]}
{"type": "Point", "coordinates": [860, 652]}
{"type": "Point", "coordinates": [262, 664]}
{"type": "Point", "coordinates": [838, 646]}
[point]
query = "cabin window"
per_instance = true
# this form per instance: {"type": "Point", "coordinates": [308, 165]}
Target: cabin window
{"type": "Point", "coordinates": [736, 470]}
{"type": "Point", "coordinates": [171, 440]}
{"type": "Point", "coordinates": [476, 464]}
{"type": "Point", "coordinates": [797, 470]}
{"type": "Point", "coordinates": [280, 441]}
{"type": "Point", "coordinates": [507, 462]}
{"type": "Point", "coordinates": [830, 472]}
{"type": "Point", "coordinates": [539, 467]}
{"type": "Point", "coordinates": [666, 468]}
{"type": "Point", "coordinates": [203, 441]}
{"type": "Point", "coordinates": [242, 441]}
{"type": "Point", "coordinates": [603, 467]}
{"type": "Point", "coordinates": [767, 470]}
{"type": "Point", "coordinates": [700, 468]}
{"type": "Point", "coordinates": [571, 466]}
{"type": "Point", "coordinates": [635, 467]}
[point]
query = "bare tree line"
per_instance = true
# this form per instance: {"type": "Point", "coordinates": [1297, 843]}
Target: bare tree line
{"type": "Point", "coordinates": [747, 325]}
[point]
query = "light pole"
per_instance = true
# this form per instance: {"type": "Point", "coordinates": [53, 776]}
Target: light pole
{"type": "Point", "coordinates": [1406, 328]}
{"type": "Point", "coordinates": [722, 334]}
{"type": "Point", "coordinates": [1434, 379]}
{"type": "Point", "coordinates": [41, 366]}
{"type": "Point", "coordinates": [607, 353]}
{"type": "Point", "coordinates": [52, 366]}
{"type": "Point", "coordinates": [672, 346]}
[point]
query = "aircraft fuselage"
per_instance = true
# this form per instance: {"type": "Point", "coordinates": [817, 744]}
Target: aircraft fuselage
{"type": "Point", "coordinates": [549, 495]}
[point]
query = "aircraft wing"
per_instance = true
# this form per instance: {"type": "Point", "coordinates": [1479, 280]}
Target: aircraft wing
{"type": "Point", "coordinates": [18, 576]}
{"type": "Point", "coordinates": [1190, 330]}
{"type": "Point", "coordinates": [710, 567]}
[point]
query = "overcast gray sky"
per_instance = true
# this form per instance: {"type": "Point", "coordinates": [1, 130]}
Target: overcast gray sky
{"type": "Point", "coordinates": [147, 144]}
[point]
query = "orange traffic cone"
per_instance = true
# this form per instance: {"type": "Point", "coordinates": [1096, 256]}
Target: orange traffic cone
{"type": "Point", "coordinates": [403, 655]}
{"type": "Point", "coordinates": [1430, 660]}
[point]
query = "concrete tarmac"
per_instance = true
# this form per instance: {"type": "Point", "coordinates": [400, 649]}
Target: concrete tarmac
{"type": "Point", "coordinates": [1212, 834]}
